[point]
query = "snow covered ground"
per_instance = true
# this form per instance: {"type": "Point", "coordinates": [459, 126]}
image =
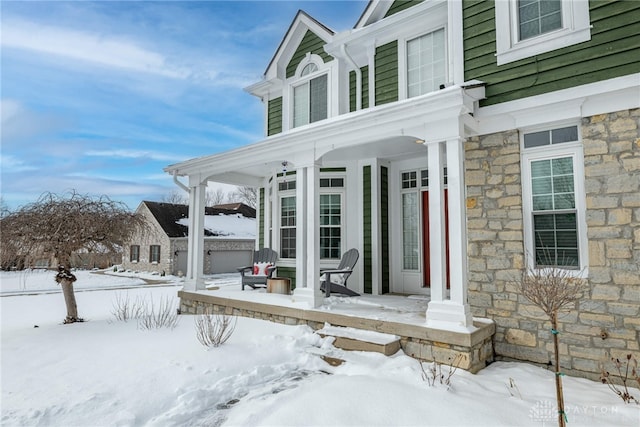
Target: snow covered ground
{"type": "Point", "coordinates": [109, 373]}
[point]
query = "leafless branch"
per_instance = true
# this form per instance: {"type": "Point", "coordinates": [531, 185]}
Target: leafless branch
{"type": "Point", "coordinates": [213, 330]}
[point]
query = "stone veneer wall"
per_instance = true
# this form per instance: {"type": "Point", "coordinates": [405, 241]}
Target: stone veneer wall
{"type": "Point", "coordinates": [475, 350]}
{"type": "Point", "coordinates": [496, 248]}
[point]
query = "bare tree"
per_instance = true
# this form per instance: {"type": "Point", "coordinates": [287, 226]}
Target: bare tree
{"type": "Point", "coordinates": [215, 197]}
{"type": "Point", "coordinates": [176, 197]}
{"type": "Point", "coordinates": [4, 208]}
{"type": "Point", "coordinates": [246, 195]}
{"type": "Point", "coordinates": [63, 224]}
{"type": "Point", "coordinates": [554, 290]}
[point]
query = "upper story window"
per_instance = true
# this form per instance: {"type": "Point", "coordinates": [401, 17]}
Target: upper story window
{"type": "Point", "coordinates": [537, 17]}
{"type": "Point", "coordinates": [310, 96]}
{"type": "Point", "coordinates": [308, 69]}
{"type": "Point", "coordinates": [525, 28]}
{"type": "Point", "coordinates": [426, 61]}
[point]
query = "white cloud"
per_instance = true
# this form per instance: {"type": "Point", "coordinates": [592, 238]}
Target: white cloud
{"type": "Point", "coordinates": [9, 163]}
{"type": "Point", "coordinates": [90, 47]}
{"type": "Point", "coordinates": [136, 154]}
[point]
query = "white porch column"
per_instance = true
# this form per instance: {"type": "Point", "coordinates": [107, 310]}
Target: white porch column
{"type": "Point", "coordinates": [437, 242]}
{"type": "Point", "coordinates": [265, 216]}
{"type": "Point", "coordinates": [195, 253]}
{"type": "Point", "coordinates": [457, 222]}
{"type": "Point", "coordinates": [443, 313]}
{"type": "Point", "coordinates": [307, 236]}
{"type": "Point", "coordinates": [301, 229]}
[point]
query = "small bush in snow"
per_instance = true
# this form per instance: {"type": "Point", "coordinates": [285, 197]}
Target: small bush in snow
{"type": "Point", "coordinates": [124, 309]}
{"type": "Point", "coordinates": [434, 374]}
{"type": "Point", "coordinates": [213, 330]}
{"type": "Point", "coordinates": [161, 315]}
{"type": "Point", "coordinates": [624, 371]}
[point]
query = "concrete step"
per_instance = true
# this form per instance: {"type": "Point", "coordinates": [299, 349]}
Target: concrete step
{"type": "Point", "coordinates": [361, 340]}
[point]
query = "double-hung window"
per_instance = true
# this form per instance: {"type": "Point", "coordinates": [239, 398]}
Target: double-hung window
{"type": "Point", "coordinates": [426, 61]}
{"type": "Point", "coordinates": [287, 219]}
{"type": "Point", "coordinates": [553, 191]}
{"type": "Point", "coordinates": [310, 97]}
{"type": "Point", "coordinates": [154, 253]}
{"type": "Point", "coordinates": [331, 195]}
{"type": "Point", "coordinates": [525, 28]}
{"type": "Point", "coordinates": [134, 253]}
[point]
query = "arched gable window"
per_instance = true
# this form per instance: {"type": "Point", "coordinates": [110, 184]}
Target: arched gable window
{"type": "Point", "coordinates": [310, 95]}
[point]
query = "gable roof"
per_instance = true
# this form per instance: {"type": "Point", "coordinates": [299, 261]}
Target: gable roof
{"type": "Point", "coordinates": [168, 214]}
{"type": "Point", "coordinates": [302, 19]}
{"type": "Point", "coordinates": [380, 9]}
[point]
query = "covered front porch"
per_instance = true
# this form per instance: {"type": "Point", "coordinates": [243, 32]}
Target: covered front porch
{"type": "Point", "coordinates": [399, 315]}
{"type": "Point", "coordinates": [362, 158]}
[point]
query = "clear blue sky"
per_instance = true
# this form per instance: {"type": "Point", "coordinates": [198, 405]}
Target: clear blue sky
{"type": "Point", "coordinates": [100, 96]}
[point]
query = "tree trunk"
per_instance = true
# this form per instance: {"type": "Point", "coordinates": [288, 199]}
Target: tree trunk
{"type": "Point", "coordinates": [559, 393]}
{"type": "Point", "coordinates": [70, 301]}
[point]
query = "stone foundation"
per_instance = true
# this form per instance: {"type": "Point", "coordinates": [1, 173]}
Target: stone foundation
{"type": "Point", "coordinates": [474, 349]}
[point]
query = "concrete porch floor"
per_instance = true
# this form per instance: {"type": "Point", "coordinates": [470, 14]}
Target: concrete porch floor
{"type": "Point", "coordinates": [403, 316]}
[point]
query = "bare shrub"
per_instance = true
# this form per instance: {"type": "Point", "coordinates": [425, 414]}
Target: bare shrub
{"type": "Point", "coordinates": [161, 315]}
{"type": "Point", "coordinates": [213, 330]}
{"type": "Point", "coordinates": [554, 290]}
{"type": "Point", "coordinates": [625, 370]}
{"type": "Point", "coordinates": [434, 374]}
{"type": "Point", "coordinates": [124, 309]}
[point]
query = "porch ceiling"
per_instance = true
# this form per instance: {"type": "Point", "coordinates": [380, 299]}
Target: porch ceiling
{"type": "Point", "coordinates": [388, 131]}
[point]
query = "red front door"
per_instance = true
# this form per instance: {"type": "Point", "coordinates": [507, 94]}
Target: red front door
{"type": "Point", "coordinates": [426, 261]}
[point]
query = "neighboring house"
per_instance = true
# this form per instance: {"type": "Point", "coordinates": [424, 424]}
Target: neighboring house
{"type": "Point", "coordinates": [494, 135]}
{"type": "Point", "coordinates": [228, 236]}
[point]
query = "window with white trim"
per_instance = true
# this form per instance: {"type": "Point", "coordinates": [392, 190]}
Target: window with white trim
{"type": "Point", "coordinates": [554, 198]}
{"type": "Point", "coordinates": [331, 196]}
{"type": "Point", "coordinates": [154, 253]}
{"type": "Point", "coordinates": [287, 218]}
{"type": "Point", "coordinates": [525, 28]}
{"type": "Point", "coordinates": [426, 63]}
{"type": "Point", "coordinates": [310, 97]}
{"type": "Point", "coordinates": [410, 221]}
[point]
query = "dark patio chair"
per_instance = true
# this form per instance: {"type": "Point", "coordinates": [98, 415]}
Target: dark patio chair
{"type": "Point", "coordinates": [337, 278]}
{"type": "Point", "coordinates": [259, 281]}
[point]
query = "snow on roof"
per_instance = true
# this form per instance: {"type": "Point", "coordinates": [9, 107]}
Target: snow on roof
{"type": "Point", "coordinates": [235, 226]}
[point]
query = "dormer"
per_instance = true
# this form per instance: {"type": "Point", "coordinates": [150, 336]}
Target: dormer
{"type": "Point", "coordinates": [299, 81]}
{"type": "Point", "coordinates": [400, 50]}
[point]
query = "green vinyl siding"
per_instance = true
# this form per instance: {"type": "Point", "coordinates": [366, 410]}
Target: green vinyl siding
{"type": "Point", "coordinates": [386, 73]}
{"type": "Point", "coordinates": [364, 88]}
{"type": "Point", "coordinates": [289, 273]}
{"type": "Point", "coordinates": [274, 116]}
{"type": "Point", "coordinates": [261, 225]}
{"type": "Point", "coordinates": [613, 51]}
{"type": "Point", "coordinates": [309, 43]}
{"type": "Point", "coordinates": [400, 5]}
{"type": "Point", "coordinates": [367, 229]}
{"type": "Point", "coordinates": [384, 226]}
